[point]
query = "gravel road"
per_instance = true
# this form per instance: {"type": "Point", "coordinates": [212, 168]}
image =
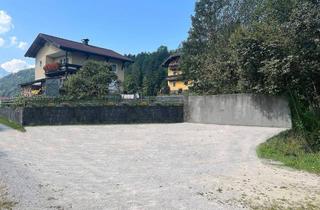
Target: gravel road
{"type": "Point", "coordinates": [168, 166]}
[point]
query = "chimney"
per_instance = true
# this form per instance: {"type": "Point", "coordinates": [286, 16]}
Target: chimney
{"type": "Point", "coordinates": [85, 41]}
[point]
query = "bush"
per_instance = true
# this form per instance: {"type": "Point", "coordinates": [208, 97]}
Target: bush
{"type": "Point", "coordinates": [92, 80]}
{"type": "Point", "coordinates": [306, 122]}
{"type": "Point", "coordinates": [289, 148]}
{"type": "Point", "coordinates": [266, 47]}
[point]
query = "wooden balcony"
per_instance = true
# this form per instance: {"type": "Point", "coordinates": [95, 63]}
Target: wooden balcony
{"type": "Point", "coordinates": [175, 78]}
{"type": "Point", "coordinates": [174, 66]}
{"type": "Point", "coordinates": [62, 69]}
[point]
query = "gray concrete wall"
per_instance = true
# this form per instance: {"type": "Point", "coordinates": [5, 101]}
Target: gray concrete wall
{"type": "Point", "coordinates": [12, 114]}
{"type": "Point", "coordinates": [238, 109]}
{"type": "Point", "coordinates": [52, 87]}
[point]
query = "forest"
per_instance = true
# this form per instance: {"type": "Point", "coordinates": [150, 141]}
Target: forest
{"type": "Point", "coordinates": [268, 47]}
{"type": "Point", "coordinates": [146, 75]}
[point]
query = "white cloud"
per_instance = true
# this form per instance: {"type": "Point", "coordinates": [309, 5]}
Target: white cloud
{"type": "Point", "coordinates": [5, 26]}
{"type": "Point", "coordinates": [5, 22]}
{"type": "Point", "coordinates": [23, 45]}
{"type": "Point", "coordinates": [13, 40]}
{"type": "Point", "coordinates": [19, 44]}
{"type": "Point", "coordinates": [1, 42]}
{"type": "Point", "coordinates": [15, 65]}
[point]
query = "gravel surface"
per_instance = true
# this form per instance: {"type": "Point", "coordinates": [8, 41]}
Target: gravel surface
{"type": "Point", "coordinates": [169, 166]}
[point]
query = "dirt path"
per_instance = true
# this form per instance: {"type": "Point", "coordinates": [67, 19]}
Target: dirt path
{"type": "Point", "coordinates": [173, 166]}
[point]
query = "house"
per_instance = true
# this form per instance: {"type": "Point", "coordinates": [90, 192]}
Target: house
{"type": "Point", "coordinates": [176, 80]}
{"type": "Point", "coordinates": [56, 58]}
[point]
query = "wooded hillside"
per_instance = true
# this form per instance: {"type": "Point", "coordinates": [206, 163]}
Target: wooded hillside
{"type": "Point", "coordinates": [9, 85]}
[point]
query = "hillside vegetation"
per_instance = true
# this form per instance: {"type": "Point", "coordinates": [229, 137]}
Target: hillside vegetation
{"type": "Point", "coordinates": [146, 75]}
{"type": "Point", "coordinates": [267, 47]}
{"type": "Point", "coordinates": [3, 73]}
{"type": "Point", "coordinates": [9, 85]}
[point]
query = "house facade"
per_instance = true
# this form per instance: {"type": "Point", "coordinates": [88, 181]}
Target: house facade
{"type": "Point", "coordinates": [56, 58]}
{"type": "Point", "coordinates": [176, 81]}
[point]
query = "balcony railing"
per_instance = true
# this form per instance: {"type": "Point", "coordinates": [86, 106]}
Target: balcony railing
{"type": "Point", "coordinates": [175, 77]}
{"type": "Point", "coordinates": [174, 66]}
{"type": "Point", "coordinates": [57, 69]}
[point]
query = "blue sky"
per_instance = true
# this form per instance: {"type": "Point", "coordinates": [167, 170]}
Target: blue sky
{"type": "Point", "coordinates": [125, 26]}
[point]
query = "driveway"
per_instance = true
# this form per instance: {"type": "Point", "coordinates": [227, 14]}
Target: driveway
{"type": "Point", "coordinates": [168, 166]}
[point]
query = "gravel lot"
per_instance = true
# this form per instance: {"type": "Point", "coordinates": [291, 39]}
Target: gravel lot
{"type": "Point", "coordinates": [169, 166]}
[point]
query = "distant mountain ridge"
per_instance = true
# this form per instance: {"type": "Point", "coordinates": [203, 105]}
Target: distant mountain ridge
{"type": "Point", "coordinates": [3, 73]}
{"type": "Point", "coordinates": [9, 85]}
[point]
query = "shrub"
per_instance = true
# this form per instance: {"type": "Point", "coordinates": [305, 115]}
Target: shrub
{"type": "Point", "coordinates": [91, 81]}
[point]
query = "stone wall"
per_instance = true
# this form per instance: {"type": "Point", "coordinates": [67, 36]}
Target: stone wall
{"type": "Point", "coordinates": [102, 115]}
{"type": "Point", "coordinates": [238, 109]}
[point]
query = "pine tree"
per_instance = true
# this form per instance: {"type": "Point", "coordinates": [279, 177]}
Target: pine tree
{"type": "Point", "coordinates": [146, 75]}
{"type": "Point", "coordinates": [205, 52]}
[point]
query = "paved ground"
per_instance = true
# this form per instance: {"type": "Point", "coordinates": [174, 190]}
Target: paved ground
{"type": "Point", "coordinates": [173, 166]}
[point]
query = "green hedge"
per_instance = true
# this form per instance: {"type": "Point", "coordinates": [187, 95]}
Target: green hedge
{"type": "Point", "coordinates": [112, 100]}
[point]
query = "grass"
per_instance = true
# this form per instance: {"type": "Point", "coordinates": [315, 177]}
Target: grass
{"type": "Point", "coordinates": [288, 148]}
{"type": "Point", "coordinates": [8, 205]}
{"type": "Point", "coordinates": [11, 124]}
{"type": "Point", "coordinates": [5, 204]}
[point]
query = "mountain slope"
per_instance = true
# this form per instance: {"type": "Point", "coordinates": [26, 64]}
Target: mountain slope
{"type": "Point", "coordinates": [3, 72]}
{"type": "Point", "coordinates": [9, 85]}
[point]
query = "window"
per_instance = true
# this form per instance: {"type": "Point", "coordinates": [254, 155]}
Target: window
{"type": "Point", "coordinates": [114, 67]}
{"type": "Point", "coordinates": [40, 63]}
{"type": "Point", "coordinates": [174, 84]}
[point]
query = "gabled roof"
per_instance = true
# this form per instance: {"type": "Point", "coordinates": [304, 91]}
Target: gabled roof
{"type": "Point", "coordinates": [69, 45]}
{"type": "Point", "coordinates": [170, 59]}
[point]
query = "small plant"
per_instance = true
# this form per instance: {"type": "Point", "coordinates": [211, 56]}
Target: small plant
{"type": "Point", "coordinates": [12, 124]}
{"type": "Point", "coordinates": [5, 203]}
{"type": "Point", "coordinates": [290, 149]}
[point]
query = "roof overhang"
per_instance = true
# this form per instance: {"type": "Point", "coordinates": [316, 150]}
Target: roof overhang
{"type": "Point", "coordinates": [95, 54]}
{"type": "Point", "coordinates": [42, 39]}
{"type": "Point", "coordinates": [37, 44]}
{"type": "Point", "coordinates": [32, 83]}
{"type": "Point", "coordinates": [169, 60]}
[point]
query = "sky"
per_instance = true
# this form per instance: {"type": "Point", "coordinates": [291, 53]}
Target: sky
{"type": "Point", "coordinates": [125, 26]}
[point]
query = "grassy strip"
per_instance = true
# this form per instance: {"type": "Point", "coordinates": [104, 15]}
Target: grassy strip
{"type": "Point", "coordinates": [11, 124]}
{"type": "Point", "coordinates": [4, 202]}
{"type": "Point", "coordinates": [288, 148]}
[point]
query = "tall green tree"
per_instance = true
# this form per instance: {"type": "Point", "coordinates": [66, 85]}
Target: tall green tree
{"type": "Point", "coordinates": [207, 57]}
{"type": "Point", "coordinates": [91, 81]}
{"type": "Point", "coordinates": [273, 49]}
{"type": "Point", "coordinates": [146, 75]}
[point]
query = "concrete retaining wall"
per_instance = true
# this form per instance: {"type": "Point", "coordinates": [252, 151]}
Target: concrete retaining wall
{"type": "Point", "coordinates": [238, 109]}
{"type": "Point", "coordinates": [12, 114]}
{"type": "Point", "coordinates": [102, 115]}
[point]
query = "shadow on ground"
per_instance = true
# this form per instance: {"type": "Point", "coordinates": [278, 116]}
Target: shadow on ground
{"type": "Point", "coordinates": [3, 128]}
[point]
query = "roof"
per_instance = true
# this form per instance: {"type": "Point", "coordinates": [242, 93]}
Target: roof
{"type": "Point", "coordinates": [32, 82]}
{"type": "Point", "coordinates": [69, 45]}
{"type": "Point", "coordinates": [170, 59]}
